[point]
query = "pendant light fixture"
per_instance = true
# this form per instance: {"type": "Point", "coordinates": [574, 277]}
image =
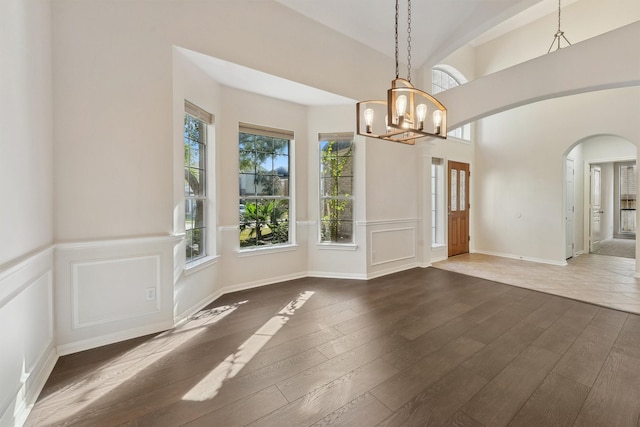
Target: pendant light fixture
{"type": "Point", "coordinates": [559, 34]}
{"type": "Point", "coordinates": [408, 113]}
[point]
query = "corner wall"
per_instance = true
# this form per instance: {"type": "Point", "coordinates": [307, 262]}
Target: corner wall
{"type": "Point", "coordinates": [26, 211]}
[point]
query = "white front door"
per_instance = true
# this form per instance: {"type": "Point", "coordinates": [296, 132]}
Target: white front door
{"type": "Point", "coordinates": [595, 209]}
{"type": "Point", "coordinates": [570, 210]}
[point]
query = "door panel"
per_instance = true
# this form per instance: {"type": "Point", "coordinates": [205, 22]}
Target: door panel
{"type": "Point", "coordinates": [570, 210]}
{"type": "Point", "coordinates": [458, 208]}
{"type": "Point", "coordinates": [595, 202]}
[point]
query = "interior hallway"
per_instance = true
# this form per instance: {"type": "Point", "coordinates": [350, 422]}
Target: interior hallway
{"type": "Point", "coordinates": [602, 280]}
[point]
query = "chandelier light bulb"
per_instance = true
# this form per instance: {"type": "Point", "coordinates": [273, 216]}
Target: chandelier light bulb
{"type": "Point", "coordinates": [421, 112]}
{"type": "Point", "coordinates": [437, 120]}
{"type": "Point", "coordinates": [401, 108]}
{"type": "Point", "coordinates": [368, 118]}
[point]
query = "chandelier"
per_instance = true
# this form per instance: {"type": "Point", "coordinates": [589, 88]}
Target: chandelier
{"type": "Point", "coordinates": [559, 34]}
{"type": "Point", "coordinates": [408, 113]}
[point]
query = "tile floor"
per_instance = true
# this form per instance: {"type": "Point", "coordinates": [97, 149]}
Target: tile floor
{"type": "Point", "coordinates": [602, 280]}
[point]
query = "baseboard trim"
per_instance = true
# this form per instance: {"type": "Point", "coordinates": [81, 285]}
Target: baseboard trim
{"type": "Point", "coordinates": [20, 407]}
{"type": "Point", "coordinates": [523, 258]}
{"type": "Point", "coordinates": [324, 275]}
{"type": "Point", "coordinates": [90, 343]}
{"type": "Point", "coordinates": [178, 320]}
{"type": "Point", "coordinates": [392, 270]}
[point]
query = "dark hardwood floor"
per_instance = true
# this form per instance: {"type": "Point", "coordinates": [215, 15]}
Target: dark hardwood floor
{"type": "Point", "coordinates": [416, 348]}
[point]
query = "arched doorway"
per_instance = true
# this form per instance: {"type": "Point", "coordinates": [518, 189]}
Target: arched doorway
{"type": "Point", "coordinates": [600, 185]}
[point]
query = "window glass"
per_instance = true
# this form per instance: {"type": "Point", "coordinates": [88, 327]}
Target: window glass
{"type": "Point", "coordinates": [441, 81]}
{"type": "Point", "coordinates": [195, 186]}
{"type": "Point", "coordinates": [336, 188]}
{"type": "Point", "coordinates": [264, 203]}
{"type": "Point", "coordinates": [454, 190]}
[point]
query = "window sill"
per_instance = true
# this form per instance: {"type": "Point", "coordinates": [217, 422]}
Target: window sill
{"type": "Point", "coordinates": [337, 246]}
{"type": "Point", "coordinates": [200, 264]}
{"type": "Point", "coordinates": [438, 246]}
{"type": "Point", "coordinates": [267, 249]}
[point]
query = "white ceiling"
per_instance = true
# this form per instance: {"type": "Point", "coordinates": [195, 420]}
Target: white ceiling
{"type": "Point", "coordinates": [438, 27]}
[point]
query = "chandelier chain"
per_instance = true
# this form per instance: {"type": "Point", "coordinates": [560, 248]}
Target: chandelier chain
{"type": "Point", "coordinates": [397, 62]}
{"type": "Point", "coordinates": [409, 42]}
{"type": "Point", "coordinates": [559, 15]}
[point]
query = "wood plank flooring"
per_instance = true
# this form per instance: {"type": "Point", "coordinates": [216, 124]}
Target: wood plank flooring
{"type": "Point", "coordinates": [424, 347]}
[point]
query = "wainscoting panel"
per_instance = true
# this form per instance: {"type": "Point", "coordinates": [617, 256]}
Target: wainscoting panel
{"type": "Point", "coordinates": [98, 287]}
{"type": "Point", "coordinates": [27, 351]}
{"type": "Point", "coordinates": [392, 245]}
{"type": "Point", "coordinates": [108, 291]}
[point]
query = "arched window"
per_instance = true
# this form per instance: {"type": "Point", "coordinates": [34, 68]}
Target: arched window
{"type": "Point", "coordinates": [443, 78]}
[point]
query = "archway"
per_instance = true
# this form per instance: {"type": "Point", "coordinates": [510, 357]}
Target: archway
{"type": "Point", "coordinates": [598, 159]}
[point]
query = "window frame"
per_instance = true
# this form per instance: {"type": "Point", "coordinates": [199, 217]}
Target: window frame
{"type": "Point", "coordinates": [463, 132]}
{"type": "Point", "coordinates": [205, 121]}
{"type": "Point", "coordinates": [265, 204]}
{"type": "Point", "coordinates": [341, 137]}
{"type": "Point", "coordinates": [438, 202]}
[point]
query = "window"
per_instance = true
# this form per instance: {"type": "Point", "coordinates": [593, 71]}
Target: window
{"type": "Point", "coordinates": [264, 186]}
{"type": "Point", "coordinates": [627, 179]}
{"type": "Point", "coordinates": [196, 122]}
{"type": "Point", "coordinates": [336, 188]}
{"type": "Point", "coordinates": [442, 80]}
{"type": "Point", "coordinates": [437, 202]}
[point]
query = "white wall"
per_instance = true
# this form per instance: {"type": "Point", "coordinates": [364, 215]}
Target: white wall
{"type": "Point", "coordinates": [26, 211]}
{"type": "Point", "coordinates": [595, 149]}
{"type": "Point", "coordinates": [581, 20]}
{"type": "Point", "coordinates": [520, 167]}
{"type": "Point", "coordinates": [330, 260]}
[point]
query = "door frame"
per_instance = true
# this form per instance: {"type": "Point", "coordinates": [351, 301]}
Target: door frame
{"type": "Point", "coordinates": [467, 203]}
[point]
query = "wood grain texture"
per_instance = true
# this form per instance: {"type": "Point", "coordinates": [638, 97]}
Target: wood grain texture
{"type": "Point", "coordinates": [500, 400]}
{"type": "Point", "coordinates": [419, 347]}
{"type": "Point", "coordinates": [614, 398]}
{"type": "Point", "coordinates": [556, 402]}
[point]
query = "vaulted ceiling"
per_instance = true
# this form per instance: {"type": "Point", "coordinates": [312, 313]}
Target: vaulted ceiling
{"type": "Point", "coordinates": [438, 27]}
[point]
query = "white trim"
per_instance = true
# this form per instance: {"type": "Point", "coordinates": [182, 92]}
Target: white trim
{"type": "Point", "coordinates": [390, 230]}
{"type": "Point", "coordinates": [200, 264]}
{"type": "Point", "coordinates": [101, 340]}
{"type": "Point", "coordinates": [186, 314]}
{"type": "Point", "coordinates": [324, 275]}
{"type": "Point", "coordinates": [387, 222]}
{"type": "Point", "coordinates": [118, 242]}
{"type": "Point", "coordinates": [75, 315]}
{"type": "Point", "coordinates": [263, 250]}
{"type": "Point", "coordinates": [385, 272]}
{"type": "Point", "coordinates": [440, 258]}
{"type": "Point", "coordinates": [523, 258]}
{"type": "Point", "coordinates": [337, 246]}
{"type": "Point", "coordinates": [21, 405]}
{"type": "Point", "coordinates": [306, 223]}
{"type": "Point", "coordinates": [18, 267]}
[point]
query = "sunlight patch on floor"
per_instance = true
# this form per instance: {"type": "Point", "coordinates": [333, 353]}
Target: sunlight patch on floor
{"type": "Point", "coordinates": [106, 378]}
{"type": "Point", "coordinates": [210, 385]}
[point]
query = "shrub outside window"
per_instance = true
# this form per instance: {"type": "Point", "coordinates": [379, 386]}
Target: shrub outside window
{"type": "Point", "coordinates": [336, 188]}
{"type": "Point", "coordinates": [195, 181]}
{"type": "Point", "coordinates": [264, 202]}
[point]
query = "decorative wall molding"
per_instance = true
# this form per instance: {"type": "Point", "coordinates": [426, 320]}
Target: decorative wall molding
{"type": "Point", "coordinates": [129, 279]}
{"type": "Point", "coordinates": [388, 222]}
{"type": "Point", "coordinates": [27, 341]}
{"type": "Point", "coordinates": [96, 244]}
{"type": "Point", "coordinates": [110, 290]}
{"type": "Point", "coordinates": [392, 245]}
{"type": "Point", "coordinates": [21, 273]}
